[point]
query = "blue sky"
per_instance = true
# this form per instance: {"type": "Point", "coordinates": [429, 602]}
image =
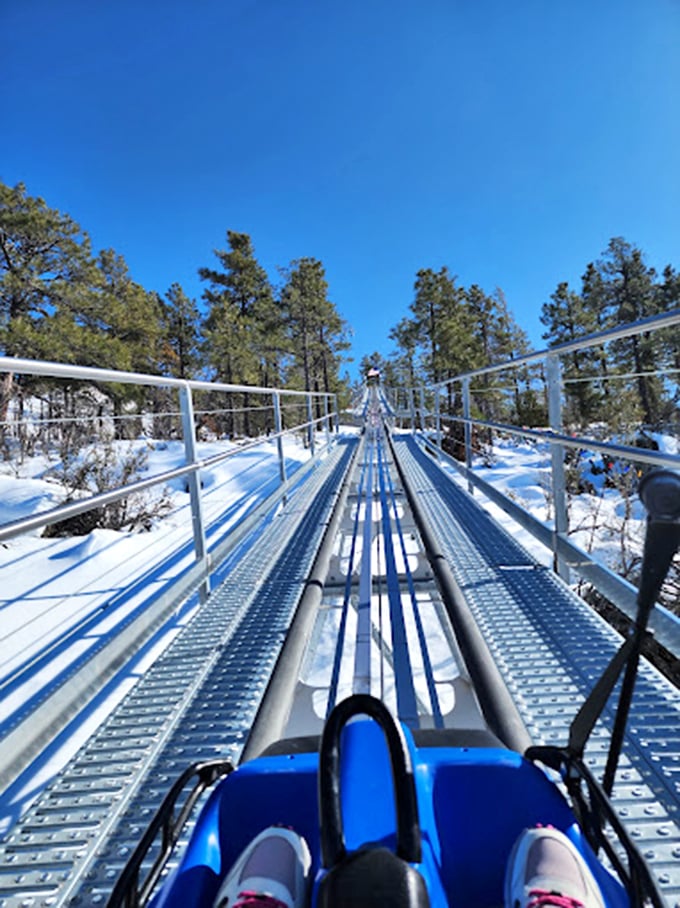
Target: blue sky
{"type": "Point", "coordinates": [507, 139]}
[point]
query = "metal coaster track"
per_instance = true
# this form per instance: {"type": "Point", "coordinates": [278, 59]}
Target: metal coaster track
{"type": "Point", "coordinates": [381, 561]}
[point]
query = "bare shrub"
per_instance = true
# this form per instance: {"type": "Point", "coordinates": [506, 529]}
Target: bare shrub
{"type": "Point", "coordinates": [103, 469]}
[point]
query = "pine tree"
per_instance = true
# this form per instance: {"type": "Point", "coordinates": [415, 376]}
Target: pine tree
{"type": "Point", "coordinates": [456, 331]}
{"type": "Point", "coordinates": [405, 336]}
{"type": "Point", "coordinates": [233, 295]}
{"type": "Point", "coordinates": [317, 333]}
{"type": "Point", "coordinates": [269, 339]}
{"type": "Point", "coordinates": [444, 330]}
{"type": "Point", "coordinates": [237, 294]}
{"type": "Point", "coordinates": [372, 361]}
{"type": "Point", "coordinates": [567, 318]}
{"type": "Point", "coordinates": [181, 322]}
{"type": "Point", "coordinates": [497, 338]}
{"type": "Point", "coordinates": [668, 340]}
{"type": "Point", "coordinates": [460, 347]}
{"type": "Point", "coordinates": [45, 258]}
{"type": "Point", "coordinates": [509, 341]}
{"type": "Point", "coordinates": [631, 295]}
{"type": "Point", "coordinates": [428, 308]}
{"type": "Point", "coordinates": [118, 325]}
{"type": "Point", "coordinates": [129, 317]}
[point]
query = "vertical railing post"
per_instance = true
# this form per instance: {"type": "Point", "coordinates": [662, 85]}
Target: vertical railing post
{"type": "Point", "coordinates": [422, 408]}
{"type": "Point", "coordinates": [311, 435]}
{"type": "Point", "coordinates": [553, 370]}
{"type": "Point", "coordinates": [468, 431]}
{"type": "Point", "coordinates": [326, 421]}
{"type": "Point", "coordinates": [278, 426]}
{"type": "Point", "coordinates": [336, 410]}
{"type": "Point", "coordinates": [194, 482]}
{"type": "Point", "coordinates": [438, 418]}
{"type": "Point", "coordinates": [412, 408]}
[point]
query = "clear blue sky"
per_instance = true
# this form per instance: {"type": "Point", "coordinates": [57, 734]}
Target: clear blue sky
{"type": "Point", "coordinates": [507, 139]}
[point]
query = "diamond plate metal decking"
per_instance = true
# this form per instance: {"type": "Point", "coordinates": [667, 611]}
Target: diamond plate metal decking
{"type": "Point", "coordinates": [551, 648]}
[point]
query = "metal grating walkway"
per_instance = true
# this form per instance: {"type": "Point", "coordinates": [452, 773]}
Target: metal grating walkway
{"type": "Point", "coordinates": [73, 842]}
{"type": "Point", "coordinates": [551, 648]}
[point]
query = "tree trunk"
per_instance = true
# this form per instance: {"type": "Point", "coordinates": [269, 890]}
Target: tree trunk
{"type": "Point", "coordinates": [643, 388]}
{"type": "Point", "coordinates": [6, 389]}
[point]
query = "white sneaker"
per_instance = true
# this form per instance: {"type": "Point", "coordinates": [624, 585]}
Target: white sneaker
{"type": "Point", "coordinates": [544, 869]}
{"type": "Point", "coordinates": [271, 872]}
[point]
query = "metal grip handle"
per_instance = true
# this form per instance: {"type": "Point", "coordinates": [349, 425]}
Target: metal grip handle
{"type": "Point", "coordinates": [660, 494]}
{"type": "Point", "coordinates": [333, 848]}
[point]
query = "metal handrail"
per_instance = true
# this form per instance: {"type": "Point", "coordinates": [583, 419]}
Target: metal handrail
{"type": "Point", "coordinates": [74, 508]}
{"type": "Point", "coordinates": [578, 442]}
{"type": "Point", "coordinates": [94, 373]}
{"type": "Point", "coordinates": [653, 323]}
{"type": "Point", "coordinates": [204, 562]}
{"type": "Point", "coordinates": [566, 556]}
{"type": "Point", "coordinates": [193, 466]}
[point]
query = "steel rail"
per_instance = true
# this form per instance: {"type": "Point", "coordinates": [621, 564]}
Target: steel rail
{"type": "Point", "coordinates": [93, 373]}
{"type": "Point", "coordinates": [100, 500]}
{"type": "Point", "coordinates": [407, 708]}
{"type": "Point", "coordinates": [497, 705]}
{"type": "Point", "coordinates": [652, 323]}
{"type": "Point", "coordinates": [629, 452]}
{"type": "Point", "coordinates": [272, 714]}
{"type": "Point", "coordinates": [342, 630]}
{"type": "Point", "coordinates": [362, 651]}
{"type": "Point", "coordinates": [415, 607]}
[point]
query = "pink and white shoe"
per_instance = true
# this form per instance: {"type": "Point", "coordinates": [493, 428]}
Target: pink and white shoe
{"type": "Point", "coordinates": [545, 869]}
{"type": "Point", "coordinates": [271, 872]}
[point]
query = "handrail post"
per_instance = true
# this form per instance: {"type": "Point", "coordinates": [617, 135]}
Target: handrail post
{"type": "Point", "coordinates": [310, 428]}
{"type": "Point", "coordinates": [553, 369]}
{"type": "Point", "coordinates": [468, 432]}
{"type": "Point", "coordinates": [326, 420]}
{"type": "Point", "coordinates": [438, 420]}
{"type": "Point", "coordinates": [337, 414]}
{"type": "Point", "coordinates": [194, 483]}
{"type": "Point", "coordinates": [278, 426]}
{"type": "Point", "coordinates": [412, 408]}
{"type": "Point", "coordinates": [422, 408]}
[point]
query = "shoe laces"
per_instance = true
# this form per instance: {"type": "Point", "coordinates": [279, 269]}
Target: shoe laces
{"type": "Point", "coordinates": [251, 899]}
{"type": "Point", "coordinates": [540, 898]}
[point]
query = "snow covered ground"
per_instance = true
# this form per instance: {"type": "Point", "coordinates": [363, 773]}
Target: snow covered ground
{"type": "Point", "coordinates": [601, 520]}
{"type": "Point", "coordinates": [51, 584]}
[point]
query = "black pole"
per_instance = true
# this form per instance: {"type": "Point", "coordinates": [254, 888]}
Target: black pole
{"type": "Point", "coordinates": [660, 494]}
